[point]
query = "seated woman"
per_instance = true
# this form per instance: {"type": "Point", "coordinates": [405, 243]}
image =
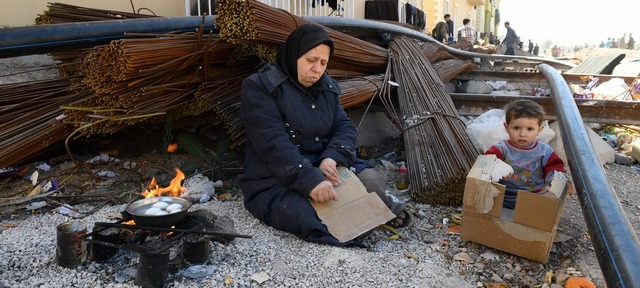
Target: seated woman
{"type": "Point", "coordinates": [297, 133]}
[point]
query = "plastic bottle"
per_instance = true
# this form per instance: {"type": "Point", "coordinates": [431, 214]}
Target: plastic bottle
{"type": "Point", "coordinates": [402, 182]}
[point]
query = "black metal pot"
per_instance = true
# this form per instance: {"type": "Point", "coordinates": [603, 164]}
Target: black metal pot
{"type": "Point", "coordinates": [137, 211]}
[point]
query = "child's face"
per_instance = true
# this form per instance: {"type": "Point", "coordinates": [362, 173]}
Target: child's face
{"type": "Point", "coordinates": [523, 131]}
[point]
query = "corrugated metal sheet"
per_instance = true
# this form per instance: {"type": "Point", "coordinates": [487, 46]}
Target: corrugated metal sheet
{"type": "Point", "coordinates": [598, 64]}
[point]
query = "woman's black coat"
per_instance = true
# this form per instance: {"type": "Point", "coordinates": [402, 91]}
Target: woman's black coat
{"type": "Point", "coordinates": [289, 130]}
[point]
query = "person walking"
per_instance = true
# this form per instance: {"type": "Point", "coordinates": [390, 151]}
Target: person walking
{"type": "Point", "coordinates": [467, 32]}
{"type": "Point", "coordinates": [530, 46]}
{"type": "Point", "coordinates": [450, 30]}
{"type": "Point", "coordinates": [622, 43]}
{"type": "Point", "coordinates": [440, 32]}
{"type": "Point", "coordinates": [510, 40]}
{"type": "Point", "coordinates": [630, 43]}
{"type": "Point", "coordinates": [536, 50]}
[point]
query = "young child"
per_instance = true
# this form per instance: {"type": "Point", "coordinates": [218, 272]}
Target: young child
{"type": "Point", "coordinates": [533, 162]}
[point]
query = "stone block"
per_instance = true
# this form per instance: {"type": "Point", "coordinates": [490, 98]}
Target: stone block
{"type": "Point", "coordinates": [605, 153]}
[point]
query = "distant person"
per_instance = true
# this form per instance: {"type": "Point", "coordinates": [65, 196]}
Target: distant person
{"type": "Point", "coordinates": [622, 44]}
{"type": "Point", "coordinates": [530, 46]}
{"type": "Point", "coordinates": [485, 39]}
{"type": "Point", "coordinates": [614, 44]}
{"type": "Point", "coordinates": [492, 39]}
{"type": "Point", "coordinates": [450, 28]}
{"type": "Point", "coordinates": [534, 163]}
{"type": "Point", "coordinates": [607, 43]}
{"type": "Point", "coordinates": [601, 44]}
{"type": "Point", "coordinates": [536, 49]}
{"type": "Point", "coordinates": [520, 44]}
{"type": "Point", "coordinates": [510, 39]}
{"type": "Point", "coordinates": [440, 32]}
{"type": "Point", "coordinates": [631, 43]}
{"type": "Point", "coordinates": [467, 32]}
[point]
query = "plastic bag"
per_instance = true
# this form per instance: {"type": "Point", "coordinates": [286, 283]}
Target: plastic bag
{"type": "Point", "coordinates": [610, 90]}
{"type": "Point", "coordinates": [488, 129]}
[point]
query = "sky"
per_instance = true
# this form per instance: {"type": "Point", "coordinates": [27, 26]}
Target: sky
{"type": "Point", "coordinates": [570, 22]}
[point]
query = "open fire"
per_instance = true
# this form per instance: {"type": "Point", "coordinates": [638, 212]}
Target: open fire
{"type": "Point", "coordinates": [174, 189]}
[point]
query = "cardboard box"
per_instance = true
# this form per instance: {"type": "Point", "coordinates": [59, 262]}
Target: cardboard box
{"type": "Point", "coordinates": [527, 231]}
{"type": "Point", "coordinates": [356, 211]}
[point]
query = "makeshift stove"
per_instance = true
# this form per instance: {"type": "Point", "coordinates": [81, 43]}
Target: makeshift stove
{"type": "Point", "coordinates": [150, 227]}
{"type": "Point", "coordinates": [153, 244]}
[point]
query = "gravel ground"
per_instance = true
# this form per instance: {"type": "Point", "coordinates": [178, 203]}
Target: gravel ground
{"type": "Point", "coordinates": [426, 255]}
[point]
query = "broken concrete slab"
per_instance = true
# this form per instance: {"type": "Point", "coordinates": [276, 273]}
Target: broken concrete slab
{"type": "Point", "coordinates": [605, 153]}
{"type": "Point", "coordinates": [375, 128]}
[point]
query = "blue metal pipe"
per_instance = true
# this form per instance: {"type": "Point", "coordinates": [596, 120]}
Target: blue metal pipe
{"type": "Point", "coordinates": [18, 41]}
{"type": "Point", "coordinates": [614, 239]}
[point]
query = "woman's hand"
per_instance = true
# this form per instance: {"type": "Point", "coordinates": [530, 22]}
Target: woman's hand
{"type": "Point", "coordinates": [323, 192]}
{"type": "Point", "coordinates": [329, 169]}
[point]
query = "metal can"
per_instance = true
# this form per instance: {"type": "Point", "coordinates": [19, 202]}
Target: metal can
{"type": "Point", "coordinates": [71, 250]}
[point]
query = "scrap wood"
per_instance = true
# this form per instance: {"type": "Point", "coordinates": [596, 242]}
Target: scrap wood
{"type": "Point", "coordinates": [27, 199]}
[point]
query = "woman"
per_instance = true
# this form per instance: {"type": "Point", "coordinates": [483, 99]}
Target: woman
{"type": "Point", "coordinates": [297, 133]}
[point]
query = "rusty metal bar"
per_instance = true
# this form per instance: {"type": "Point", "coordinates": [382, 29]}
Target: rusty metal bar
{"type": "Point", "coordinates": [533, 77]}
{"type": "Point", "coordinates": [616, 244]}
{"type": "Point", "coordinates": [592, 110]}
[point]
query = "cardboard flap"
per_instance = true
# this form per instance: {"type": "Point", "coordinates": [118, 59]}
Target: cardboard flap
{"type": "Point", "coordinates": [357, 217]}
{"type": "Point", "coordinates": [355, 212]}
{"type": "Point", "coordinates": [536, 210]}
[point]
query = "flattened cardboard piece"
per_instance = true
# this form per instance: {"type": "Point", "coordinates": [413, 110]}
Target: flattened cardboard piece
{"type": "Point", "coordinates": [356, 210]}
{"type": "Point", "coordinates": [527, 231]}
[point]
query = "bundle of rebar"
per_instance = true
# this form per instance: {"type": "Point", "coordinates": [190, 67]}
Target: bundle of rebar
{"type": "Point", "coordinates": [450, 68]}
{"type": "Point", "coordinates": [31, 119]}
{"type": "Point", "coordinates": [137, 77]}
{"type": "Point", "coordinates": [65, 13]}
{"type": "Point", "coordinates": [253, 22]}
{"type": "Point", "coordinates": [359, 90]}
{"type": "Point", "coordinates": [439, 151]}
{"type": "Point", "coordinates": [435, 52]}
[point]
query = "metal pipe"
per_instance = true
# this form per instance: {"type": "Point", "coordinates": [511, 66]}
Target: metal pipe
{"type": "Point", "coordinates": [19, 41]}
{"type": "Point", "coordinates": [616, 243]}
{"type": "Point", "coordinates": [364, 24]}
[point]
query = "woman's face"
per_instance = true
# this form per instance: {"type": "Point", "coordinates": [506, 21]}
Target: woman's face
{"type": "Point", "coordinates": [312, 65]}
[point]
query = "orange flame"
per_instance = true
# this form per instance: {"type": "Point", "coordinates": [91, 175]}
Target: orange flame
{"type": "Point", "coordinates": [172, 147]}
{"type": "Point", "coordinates": [174, 189]}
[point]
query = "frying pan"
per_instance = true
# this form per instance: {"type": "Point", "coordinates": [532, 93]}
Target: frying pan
{"type": "Point", "coordinates": [137, 208]}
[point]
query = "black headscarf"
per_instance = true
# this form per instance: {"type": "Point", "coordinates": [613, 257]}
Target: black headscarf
{"type": "Point", "coordinates": [300, 41]}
